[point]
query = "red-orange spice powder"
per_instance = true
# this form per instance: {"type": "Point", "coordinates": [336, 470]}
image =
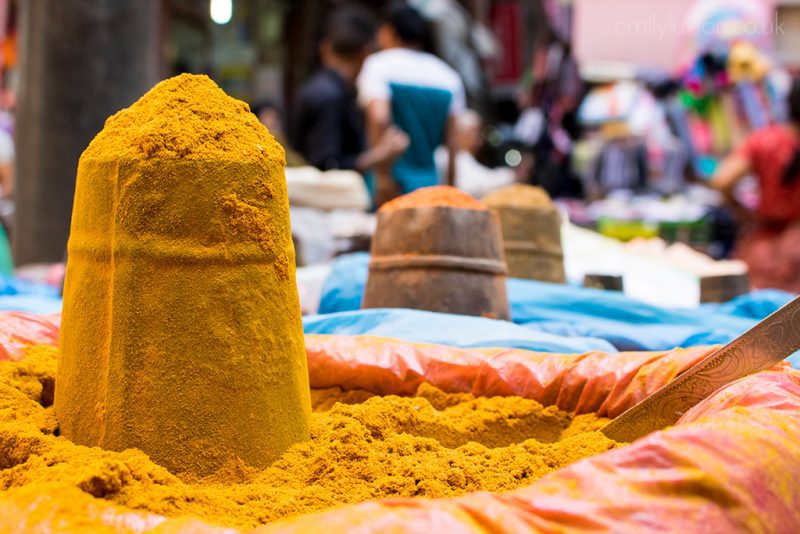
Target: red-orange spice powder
{"type": "Point", "coordinates": [440, 196]}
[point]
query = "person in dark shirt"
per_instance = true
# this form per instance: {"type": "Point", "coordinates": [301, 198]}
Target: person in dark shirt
{"type": "Point", "coordinates": [328, 126]}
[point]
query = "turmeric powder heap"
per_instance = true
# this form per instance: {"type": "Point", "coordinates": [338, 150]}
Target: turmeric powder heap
{"type": "Point", "coordinates": [180, 281]}
{"type": "Point", "coordinates": [440, 196]}
{"type": "Point", "coordinates": [367, 447]}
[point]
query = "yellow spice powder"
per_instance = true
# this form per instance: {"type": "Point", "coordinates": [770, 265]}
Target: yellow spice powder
{"type": "Point", "coordinates": [362, 447]}
{"type": "Point", "coordinates": [180, 281]}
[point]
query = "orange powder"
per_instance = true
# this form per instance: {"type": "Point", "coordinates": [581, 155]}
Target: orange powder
{"type": "Point", "coordinates": [440, 196]}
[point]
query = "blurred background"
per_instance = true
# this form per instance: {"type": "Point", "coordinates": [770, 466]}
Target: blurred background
{"type": "Point", "coordinates": [622, 110]}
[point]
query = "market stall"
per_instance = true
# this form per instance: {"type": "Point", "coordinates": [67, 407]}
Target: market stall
{"type": "Point", "coordinates": [182, 390]}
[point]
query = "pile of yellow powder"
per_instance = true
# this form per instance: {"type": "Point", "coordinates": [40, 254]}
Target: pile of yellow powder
{"type": "Point", "coordinates": [185, 118]}
{"type": "Point", "coordinates": [363, 447]}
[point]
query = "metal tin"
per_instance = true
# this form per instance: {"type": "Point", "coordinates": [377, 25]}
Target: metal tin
{"type": "Point", "coordinates": [532, 243]}
{"type": "Point", "coordinates": [439, 259]}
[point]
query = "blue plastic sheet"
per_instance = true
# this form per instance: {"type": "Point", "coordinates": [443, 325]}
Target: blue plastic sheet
{"type": "Point", "coordinates": [756, 305]}
{"type": "Point", "coordinates": [21, 295]}
{"type": "Point", "coordinates": [574, 311]}
{"type": "Point", "coordinates": [455, 330]}
{"type": "Point", "coordinates": [30, 304]}
{"type": "Point", "coordinates": [10, 285]}
{"type": "Point", "coordinates": [626, 323]}
{"type": "Point", "coordinates": [344, 287]}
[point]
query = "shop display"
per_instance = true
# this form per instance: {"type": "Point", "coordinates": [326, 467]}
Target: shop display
{"type": "Point", "coordinates": [726, 94]}
{"type": "Point", "coordinates": [452, 379]}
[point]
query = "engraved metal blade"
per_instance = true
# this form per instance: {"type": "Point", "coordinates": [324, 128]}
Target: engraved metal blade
{"type": "Point", "coordinates": [767, 343]}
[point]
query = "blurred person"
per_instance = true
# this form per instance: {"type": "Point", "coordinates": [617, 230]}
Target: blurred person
{"type": "Point", "coordinates": [769, 240]}
{"type": "Point", "coordinates": [405, 86]}
{"type": "Point", "coordinates": [549, 98]}
{"type": "Point", "coordinates": [328, 126]}
{"type": "Point", "coordinates": [470, 175]}
{"type": "Point", "coordinates": [622, 163]}
{"type": "Point", "coordinates": [463, 41]}
{"type": "Point", "coordinates": [7, 153]}
{"type": "Point", "coordinates": [269, 114]}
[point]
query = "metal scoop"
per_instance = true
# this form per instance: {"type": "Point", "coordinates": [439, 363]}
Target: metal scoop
{"type": "Point", "coordinates": [767, 343]}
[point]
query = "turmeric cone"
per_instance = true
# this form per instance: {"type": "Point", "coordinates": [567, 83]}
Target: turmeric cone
{"type": "Point", "coordinates": [182, 333]}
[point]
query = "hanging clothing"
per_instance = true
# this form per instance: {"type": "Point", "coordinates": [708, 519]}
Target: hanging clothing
{"type": "Point", "coordinates": [753, 104]}
{"type": "Point", "coordinates": [622, 164]}
{"type": "Point", "coordinates": [559, 14]}
{"type": "Point", "coordinates": [720, 128]}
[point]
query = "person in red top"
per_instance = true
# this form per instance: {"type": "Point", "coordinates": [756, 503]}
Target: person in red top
{"type": "Point", "coordinates": [770, 237]}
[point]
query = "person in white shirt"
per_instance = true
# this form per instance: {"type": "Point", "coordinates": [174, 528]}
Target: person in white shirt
{"type": "Point", "coordinates": [404, 86]}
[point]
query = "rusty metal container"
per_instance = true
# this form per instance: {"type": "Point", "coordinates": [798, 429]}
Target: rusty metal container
{"type": "Point", "coordinates": [531, 234]}
{"type": "Point", "coordinates": [441, 259]}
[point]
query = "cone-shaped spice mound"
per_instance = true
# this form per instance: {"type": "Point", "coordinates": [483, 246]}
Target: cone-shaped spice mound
{"type": "Point", "coordinates": [181, 330]}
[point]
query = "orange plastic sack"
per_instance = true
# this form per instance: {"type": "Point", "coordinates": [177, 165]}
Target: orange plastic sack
{"type": "Point", "coordinates": [20, 330]}
{"type": "Point", "coordinates": [729, 465]}
{"type": "Point", "coordinates": [593, 382]}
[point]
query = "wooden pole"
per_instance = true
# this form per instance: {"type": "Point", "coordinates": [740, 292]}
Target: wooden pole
{"type": "Point", "coordinates": [81, 61]}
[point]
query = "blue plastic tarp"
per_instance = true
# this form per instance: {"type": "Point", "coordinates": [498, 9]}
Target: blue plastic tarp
{"type": "Point", "coordinates": [30, 304]}
{"type": "Point", "coordinates": [344, 287]}
{"type": "Point", "coordinates": [21, 295]}
{"type": "Point", "coordinates": [588, 313]}
{"type": "Point", "coordinates": [446, 329]}
{"type": "Point", "coordinates": [756, 305]}
{"type": "Point", "coordinates": [626, 323]}
{"type": "Point", "coordinates": [10, 285]}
